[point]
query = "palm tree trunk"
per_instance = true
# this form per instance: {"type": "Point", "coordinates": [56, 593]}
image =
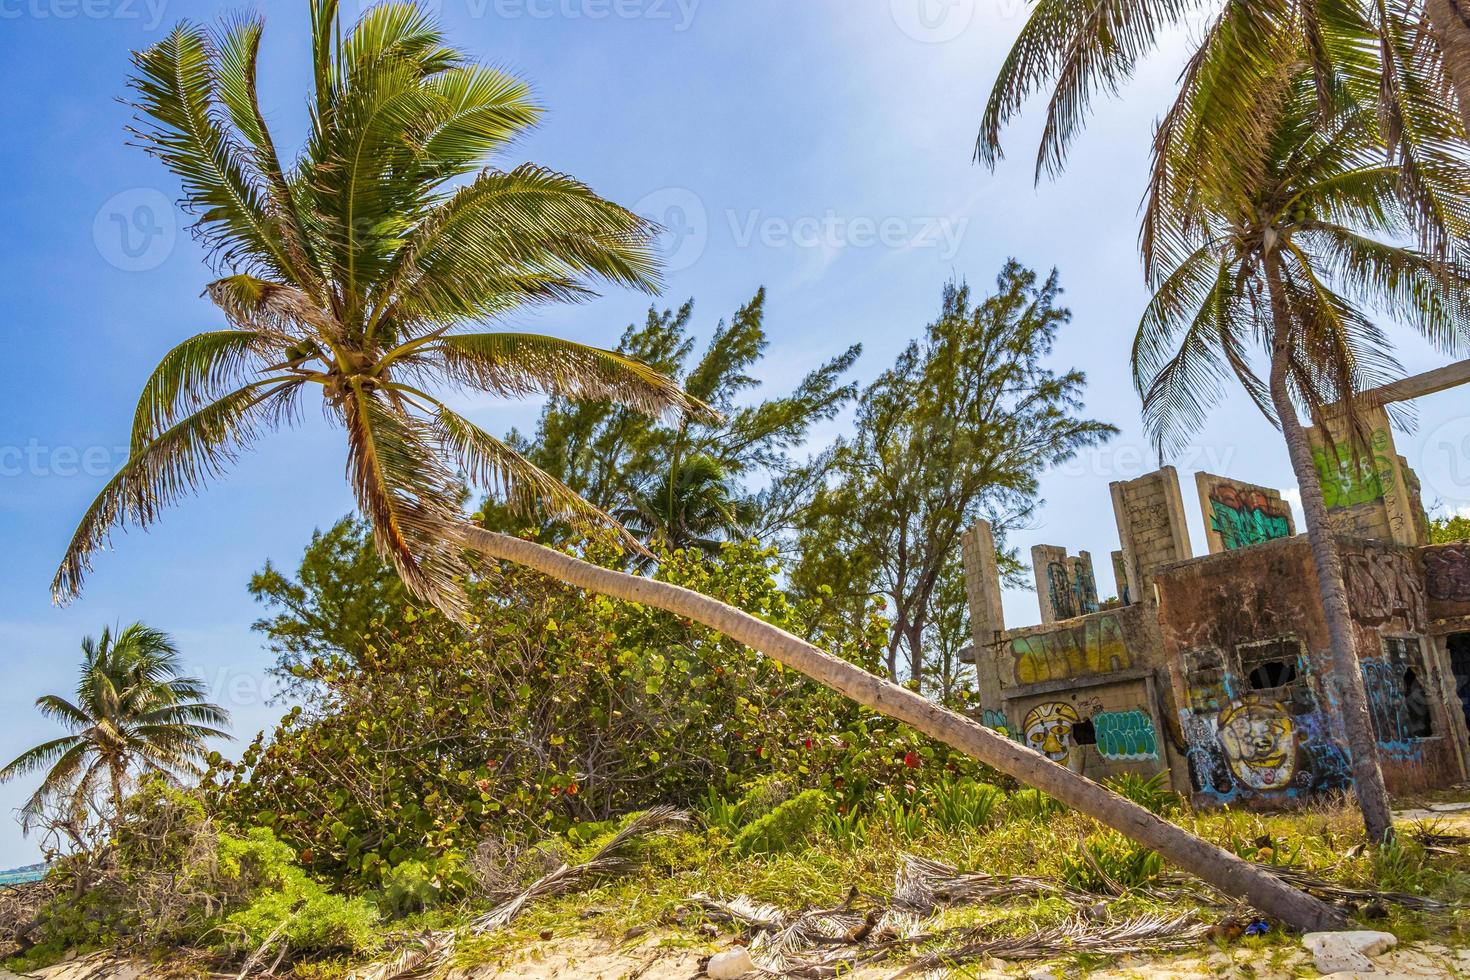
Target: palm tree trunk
{"type": "Point", "coordinates": [116, 769]}
{"type": "Point", "coordinates": [1221, 869]}
{"type": "Point", "coordinates": [1343, 678]}
{"type": "Point", "coordinates": [1450, 22]}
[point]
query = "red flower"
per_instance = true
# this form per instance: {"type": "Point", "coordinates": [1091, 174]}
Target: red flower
{"type": "Point", "coordinates": [572, 790]}
{"type": "Point", "coordinates": [807, 744]}
{"type": "Point", "coordinates": [911, 759]}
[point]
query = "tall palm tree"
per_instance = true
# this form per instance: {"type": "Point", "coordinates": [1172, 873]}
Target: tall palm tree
{"type": "Point", "coordinates": [1379, 53]}
{"type": "Point", "coordinates": [133, 712]}
{"type": "Point", "coordinates": [1285, 244]}
{"type": "Point", "coordinates": [358, 270]}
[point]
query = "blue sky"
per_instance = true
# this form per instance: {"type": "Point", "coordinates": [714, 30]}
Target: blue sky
{"type": "Point", "coordinates": [821, 148]}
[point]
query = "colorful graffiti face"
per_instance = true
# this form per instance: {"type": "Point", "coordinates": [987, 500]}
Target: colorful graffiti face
{"type": "Point", "coordinates": [1260, 744]}
{"type": "Point", "coordinates": [1048, 729]}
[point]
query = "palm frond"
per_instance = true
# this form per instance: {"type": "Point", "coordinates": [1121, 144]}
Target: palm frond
{"type": "Point", "coordinates": [197, 371]}
{"type": "Point", "coordinates": [176, 462]}
{"type": "Point", "coordinates": [176, 89]}
{"type": "Point", "coordinates": [237, 56]}
{"type": "Point", "coordinates": [1084, 47]}
{"type": "Point", "coordinates": [521, 364]}
{"type": "Point", "coordinates": [524, 487]}
{"type": "Point", "coordinates": [1432, 297]}
{"type": "Point", "coordinates": [58, 708]}
{"type": "Point", "coordinates": [405, 490]}
{"type": "Point", "coordinates": [508, 238]}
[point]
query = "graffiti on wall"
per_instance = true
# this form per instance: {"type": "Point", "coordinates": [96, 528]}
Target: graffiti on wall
{"type": "Point", "coordinates": [1447, 572]}
{"type": "Point", "coordinates": [1350, 479]}
{"type": "Point", "coordinates": [1059, 591]}
{"type": "Point", "coordinates": [1125, 736]}
{"type": "Point", "coordinates": [1094, 647]}
{"type": "Point", "coordinates": [1260, 744]}
{"type": "Point", "coordinates": [1383, 588]}
{"type": "Point", "coordinates": [995, 720]}
{"type": "Point", "coordinates": [1259, 740]}
{"type": "Point", "coordinates": [1048, 729]}
{"type": "Point", "coordinates": [1246, 516]}
{"type": "Point", "coordinates": [1071, 588]}
{"type": "Point", "coordinates": [1208, 770]}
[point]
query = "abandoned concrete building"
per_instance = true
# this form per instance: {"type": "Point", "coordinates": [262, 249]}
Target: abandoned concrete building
{"type": "Point", "coordinates": [1202, 666]}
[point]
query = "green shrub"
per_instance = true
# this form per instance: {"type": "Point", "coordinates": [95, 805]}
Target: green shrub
{"type": "Point", "coordinates": [414, 886]}
{"type": "Point", "coordinates": [964, 804]}
{"type": "Point", "coordinates": [1032, 804]}
{"type": "Point", "coordinates": [1150, 792]}
{"type": "Point", "coordinates": [1108, 860]}
{"type": "Point", "coordinates": [899, 816]}
{"type": "Point", "coordinates": [666, 711]}
{"type": "Point", "coordinates": [287, 905]}
{"type": "Point", "coordinates": [786, 827]}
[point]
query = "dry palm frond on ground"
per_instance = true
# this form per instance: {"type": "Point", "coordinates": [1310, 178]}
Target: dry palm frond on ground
{"type": "Point", "coordinates": [1147, 933]}
{"type": "Point", "coordinates": [613, 858]}
{"type": "Point", "coordinates": [924, 885]}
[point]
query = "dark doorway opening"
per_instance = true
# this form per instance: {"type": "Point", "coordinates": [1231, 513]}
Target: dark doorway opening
{"type": "Point", "coordinates": [1459, 648]}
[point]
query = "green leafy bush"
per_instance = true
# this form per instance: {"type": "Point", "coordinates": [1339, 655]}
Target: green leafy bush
{"type": "Point", "coordinates": [1108, 861]}
{"type": "Point", "coordinates": [1150, 792]}
{"type": "Point", "coordinates": [551, 709]}
{"type": "Point", "coordinates": [787, 827]}
{"type": "Point", "coordinates": [1032, 804]}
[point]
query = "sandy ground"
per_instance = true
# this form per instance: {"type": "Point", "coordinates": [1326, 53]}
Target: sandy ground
{"type": "Point", "coordinates": [652, 959]}
{"type": "Point", "coordinates": [584, 960]}
{"type": "Point", "coordinates": [667, 958]}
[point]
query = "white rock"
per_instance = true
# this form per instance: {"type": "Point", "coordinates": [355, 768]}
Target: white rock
{"type": "Point", "coordinates": [730, 964]}
{"type": "Point", "coordinates": [1342, 952]}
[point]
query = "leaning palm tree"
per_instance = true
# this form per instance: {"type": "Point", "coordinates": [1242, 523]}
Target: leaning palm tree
{"type": "Point", "coordinates": [1286, 244]}
{"type": "Point", "coordinates": [133, 712]}
{"type": "Point", "coordinates": [363, 271]}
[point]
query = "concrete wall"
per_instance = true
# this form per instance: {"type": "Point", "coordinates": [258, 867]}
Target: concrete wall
{"type": "Point", "coordinates": [1213, 668]}
{"type": "Point", "coordinates": [1089, 692]}
{"type": "Point", "coordinates": [1243, 634]}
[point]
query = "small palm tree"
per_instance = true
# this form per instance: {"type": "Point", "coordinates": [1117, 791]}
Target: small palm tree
{"type": "Point", "coordinates": [1285, 244]}
{"type": "Point", "coordinates": [692, 506]}
{"type": "Point", "coordinates": [359, 273]}
{"type": "Point", "coordinates": [134, 713]}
